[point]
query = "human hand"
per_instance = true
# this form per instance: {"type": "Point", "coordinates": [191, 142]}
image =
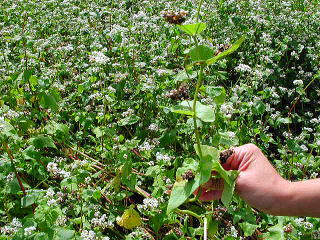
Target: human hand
{"type": "Point", "coordinates": [258, 183]}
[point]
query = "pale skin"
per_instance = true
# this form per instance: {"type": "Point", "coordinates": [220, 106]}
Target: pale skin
{"type": "Point", "coordinates": [261, 186]}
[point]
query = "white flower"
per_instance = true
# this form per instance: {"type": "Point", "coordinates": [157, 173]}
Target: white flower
{"type": "Point", "coordinates": [52, 167]}
{"type": "Point", "coordinates": [233, 232]}
{"type": "Point", "coordinates": [111, 89]}
{"type": "Point", "coordinates": [10, 177]}
{"type": "Point", "coordinates": [98, 57]}
{"type": "Point", "coordinates": [61, 221]}
{"type": "Point", "coordinates": [52, 202]}
{"type": "Point", "coordinates": [146, 146]}
{"type": "Point", "coordinates": [128, 113]}
{"type": "Point", "coordinates": [153, 127]}
{"type": "Point", "coordinates": [28, 231]}
{"type": "Point", "coordinates": [164, 157]}
{"type": "Point", "coordinates": [64, 173]}
{"type": "Point", "coordinates": [304, 148]}
{"type": "Point", "coordinates": [50, 193]}
{"type": "Point", "coordinates": [308, 225]}
{"type": "Point", "coordinates": [101, 221]}
{"type": "Point", "coordinates": [227, 109]}
{"type": "Point", "coordinates": [12, 228]}
{"type": "Point", "coordinates": [299, 221]}
{"type": "Point", "coordinates": [87, 180]}
{"type": "Point", "coordinates": [298, 82]}
{"type": "Point", "coordinates": [149, 203]}
{"type": "Point", "coordinates": [243, 68]}
{"type": "Point", "coordinates": [88, 235]}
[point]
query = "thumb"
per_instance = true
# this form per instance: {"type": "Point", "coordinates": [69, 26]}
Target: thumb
{"type": "Point", "coordinates": [214, 184]}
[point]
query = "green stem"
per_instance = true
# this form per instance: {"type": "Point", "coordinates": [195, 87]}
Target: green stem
{"type": "Point", "coordinates": [188, 212]}
{"type": "Point", "coordinates": [197, 196]}
{"type": "Point", "coordinates": [199, 83]}
{"type": "Point", "coordinates": [198, 11]}
{"type": "Point", "coordinates": [205, 229]}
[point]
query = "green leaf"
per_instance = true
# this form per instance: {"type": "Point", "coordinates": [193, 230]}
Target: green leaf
{"type": "Point", "coordinates": [275, 233]}
{"type": "Point", "coordinates": [229, 181]}
{"type": "Point", "coordinates": [294, 146]}
{"type": "Point", "coordinates": [29, 199]}
{"type": "Point", "coordinates": [57, 128]}
{"type": "Point", "coordinates": [31, 153]}
{"type": "Point", "coordinates": [182, 189]}
{"type": "Point", "coordinates": [7, 130]}
{"type": "Point", "coordinates": [98, 132]}
{"type": "Point", "coordinates": [193, 29]}
{"type": "Point", "coordinates": [13, 186]}
{"type": "Point", "coordinates": [188, 164]}
{"type": "Point", "coordinates": [208, 156]}
{"type": "Point", "coordinates": [248, 229]}
{"type": "Point", "coordinates": [97, 194]}
{"type": "Point", "coordinates": [180, 192]}
{"type": "Point", "coordinates": [228, 188]}
{"type": "Point", "coordinates": [183, 76]}
{"type": "Point", "coordinates": [259, 108]}
{"type": "Point", "coordinates": [33, 82]}
{"type": "Point", "coordinates": [185, 108]}
{"type": "Point", "coordinates": [217, 93]}
{"type": "Point", "coordinates": [201, 53]}
{"type": "Point", "coordinates": [204, 112]}
{"type": "Point", "coordinates": [230, 50]}
{"type": "Point", "coordinates": [130, 120]}
{"type": "Point", "coordinates": [157, 221]}
{"type": "Point", "coordinates": [212, 226]}
{"type": "Point", "coordinates": [49, 101]}
{"type": "Point", "coordinates": [70, 183]}
{"type": "Point", "coordinates": [43, 142]}
{"type": "Point", "coordinates": [228, 138]}
{"type": "Point", "coordinates": [283, 121]}
{"type": "Point", "coordinates": [65, 234]}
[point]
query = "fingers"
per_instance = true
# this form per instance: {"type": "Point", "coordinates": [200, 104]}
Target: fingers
{"type": "Point", "coordinates": [211, 190]}
{"type": "Point", "coordinates": [214, 184]}
{"type": "Point", "coordinates": [241, 156]}
{"type": "Point", "coordinates": [210, 195]}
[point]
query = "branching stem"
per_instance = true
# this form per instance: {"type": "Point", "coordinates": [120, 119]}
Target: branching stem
{"type": "Point", "coordinates": [195, 98]}
{"type": "Point", "coordinates": [199, 8]}
{"type": "Point", "coordinates": [188, 212]}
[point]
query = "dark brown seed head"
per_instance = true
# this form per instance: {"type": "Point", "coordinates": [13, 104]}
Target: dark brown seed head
{"type": "Point", "coordinates": [222, 49]}
{"type": "Point", "coordinates": [174, 17]}
{"type": "Point", "coordinates": [224, 155]}
{"type": "Point", "coordinates": [188, 175]}
{"type": "Point", "coordinates": [179, 94]}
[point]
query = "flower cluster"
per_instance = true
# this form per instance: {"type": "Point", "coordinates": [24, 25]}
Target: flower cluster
{"type": "Point", "coordinates": [29, 230]}
{"type": "Point", "coordinates": [55, 171]}
{"type": "Point", "coordinates": [149, 203]}
{"type": "Point", "coordinates": [101, 221]}
{"type": "Point", "coordinates": [98, 57]}
{"type": "Point", "coordinates": [11, 228]}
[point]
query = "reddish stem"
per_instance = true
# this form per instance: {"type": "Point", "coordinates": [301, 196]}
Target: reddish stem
{"type": "Point", "coordinates": [8, 150]}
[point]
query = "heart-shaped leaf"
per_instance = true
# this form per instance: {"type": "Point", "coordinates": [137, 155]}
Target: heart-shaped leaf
{"type": "Point", "coordinates": [217, 93]}
{"type": "Point", "coordinates": [182, 189]}
{"type": "Point", "coordinates": [204, 112]}
{"type": "Point", "coordinates": [225, 53]}
{"type": "Point", "coordinates": [193, 29]}
{"type": "Point", "coordinates": [201, 53]}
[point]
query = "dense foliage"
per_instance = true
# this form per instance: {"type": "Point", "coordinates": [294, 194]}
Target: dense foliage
{"type": "Point", "coordinates": [91, 141]}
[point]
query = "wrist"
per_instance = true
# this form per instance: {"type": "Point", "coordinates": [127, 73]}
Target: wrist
{"type": "Point", "coordinates": [283, 195]}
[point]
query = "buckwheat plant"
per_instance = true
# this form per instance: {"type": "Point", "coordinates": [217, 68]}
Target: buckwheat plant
{"type": "Point", "coordinates": [198, 58]}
